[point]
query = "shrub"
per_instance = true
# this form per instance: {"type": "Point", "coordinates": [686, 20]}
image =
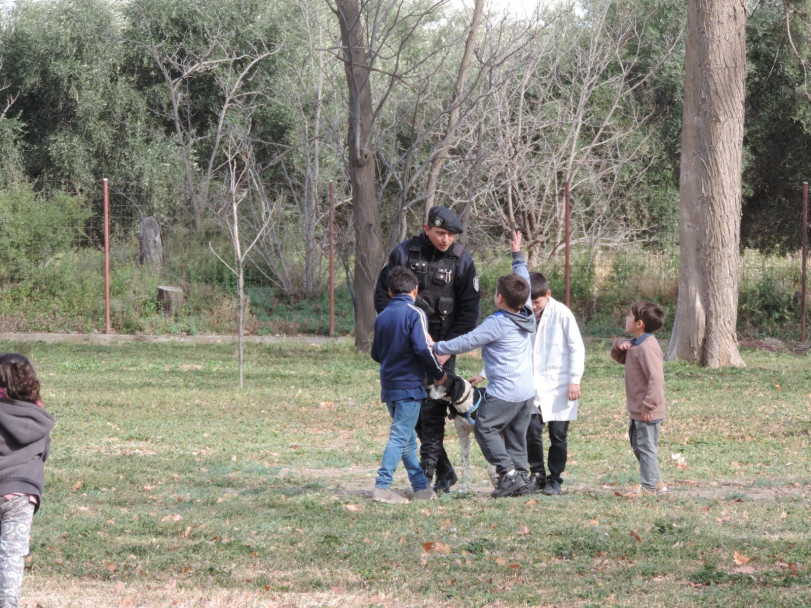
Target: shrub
{"type": "Point", "coordinates": [35, 228]}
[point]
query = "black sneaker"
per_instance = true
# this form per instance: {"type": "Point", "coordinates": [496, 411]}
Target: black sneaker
{"type": "Point", "coordinates": [552, 487]}
{"type": "Point", "coordinates": [537, 481]}
{"type": "Point", "coordinates": [508, 485]}
{"type": "Point", "coordinates": [444, 485]}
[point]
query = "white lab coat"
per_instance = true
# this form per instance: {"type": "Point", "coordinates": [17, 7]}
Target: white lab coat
{"type": "Point", "coordinates": [559, 359]}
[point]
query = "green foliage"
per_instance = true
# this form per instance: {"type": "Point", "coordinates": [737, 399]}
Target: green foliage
{"type": "Point", "coordinates": [768, 296]}
{"type": "Point", "coordinates": [776, 138]}
{"type": "Point", "coordinates": [279, 315]}
{"type": "Point", "coordinates": [11, 167]}
{"type": "Point", "coordinates": [35, 228]}
{"type": "Point", "coordinates": [76, 99]}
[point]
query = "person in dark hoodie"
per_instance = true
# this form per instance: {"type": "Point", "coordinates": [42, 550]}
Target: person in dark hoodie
{"type": "Point", "coordinates": [24, 446]}
{"type": "Point", "coordinates": [402, 347]}
{"type": "Point", "coordinates": [505, 338]}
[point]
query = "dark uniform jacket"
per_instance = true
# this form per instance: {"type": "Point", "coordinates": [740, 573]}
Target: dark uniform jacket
{"type": "Point", "coordinates": [449, 286]}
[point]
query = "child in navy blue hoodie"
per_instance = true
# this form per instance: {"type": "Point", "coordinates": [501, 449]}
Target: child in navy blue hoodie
{"type": "Point", "coordinates": [401, 346]}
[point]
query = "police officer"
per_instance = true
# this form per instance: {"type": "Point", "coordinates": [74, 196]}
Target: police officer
{"type": "Point", "coordinates": [449, 295]}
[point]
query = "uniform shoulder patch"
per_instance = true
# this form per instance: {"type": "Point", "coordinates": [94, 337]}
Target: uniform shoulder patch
{"type": "Point", "coordinates": [476, 284]}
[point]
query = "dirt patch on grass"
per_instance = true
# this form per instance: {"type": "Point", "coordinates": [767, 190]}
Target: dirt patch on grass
{"type": "Point", "coordinates": [50, 593]}
{"type": "Point", "coordinates": [359, 482]}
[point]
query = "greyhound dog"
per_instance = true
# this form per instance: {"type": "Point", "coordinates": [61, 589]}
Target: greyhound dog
{"type": "Point", "coordinates": [465, 399]}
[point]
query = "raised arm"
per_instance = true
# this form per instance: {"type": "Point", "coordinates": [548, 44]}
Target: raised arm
{"type": "Point", "coordinates": [519, 264]}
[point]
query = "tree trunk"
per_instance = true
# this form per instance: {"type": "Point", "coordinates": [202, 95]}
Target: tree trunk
{"type": "Point", "coordinates": [369, 253]}
{"type": "Point", "coordinates": [170, 298]}
{"type": "Point", "coordinates": [710, 187]}
{"type": "Point", "coordinates": [151, 244]}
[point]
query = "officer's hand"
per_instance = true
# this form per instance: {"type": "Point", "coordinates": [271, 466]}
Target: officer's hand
{"type": "Point", "coordinates": [442, 358]}
{"type": "Point", "coordinates": [515, 243]}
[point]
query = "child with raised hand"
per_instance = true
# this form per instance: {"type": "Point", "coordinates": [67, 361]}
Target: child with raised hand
{"type": "Point", "coordinates": [644, 390]}
{"type": "Point", "coordinates": [505, 338]}
{"type": "Point", "coordinates": [24, 446]}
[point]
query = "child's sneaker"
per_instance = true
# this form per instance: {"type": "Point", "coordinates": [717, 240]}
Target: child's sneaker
{"type": "Point", "coordinates": [388, 496]}
{"type": "Point", "coordinates": [508, 485]}
{"type": "Point", "coordinates": [661, 488]}
{"type": "Point", "coordinates": [552, 488]}
{"type": "Point", "coordinates": [425, 494]}
{"type": "Point", "coordinates": [537, 481]}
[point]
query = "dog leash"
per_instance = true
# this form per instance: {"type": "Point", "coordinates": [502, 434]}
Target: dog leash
{"type": "Point", "coordinates": [474, 408]}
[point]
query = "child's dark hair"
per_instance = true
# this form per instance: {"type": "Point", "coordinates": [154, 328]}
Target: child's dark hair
{"type": "Point", "coordinates": [401, 280]}
{"type": "Point", "coordinates": [514, 290]}
{"type": "Point", "coordinates": [538, 284]}
{"type": "Point", "coordinates": [18, 378]}
{"type": "Point", "coordinates": [650, 313]}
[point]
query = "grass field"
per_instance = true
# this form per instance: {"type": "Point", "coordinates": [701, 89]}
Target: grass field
{"type": "Point", "coordinates": [169, 487]}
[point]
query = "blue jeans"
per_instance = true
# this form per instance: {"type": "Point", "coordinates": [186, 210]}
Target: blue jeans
{"type": "Point", "coordinates": [402, 444]}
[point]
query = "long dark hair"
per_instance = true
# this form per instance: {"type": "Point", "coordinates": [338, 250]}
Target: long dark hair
{"type": "Point", "coordinates": [18, 378]}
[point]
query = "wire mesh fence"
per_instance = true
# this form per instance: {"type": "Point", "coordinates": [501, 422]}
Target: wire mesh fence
{"type": "Point", "coordinates": [770, 285]}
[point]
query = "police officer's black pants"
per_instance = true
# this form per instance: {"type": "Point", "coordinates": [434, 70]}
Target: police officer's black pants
{"type": "Point", "coordinates": [431, 432]}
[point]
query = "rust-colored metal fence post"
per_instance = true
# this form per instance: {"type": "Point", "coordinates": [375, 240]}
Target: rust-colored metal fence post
{"type": "Point", "coordinates": [804, 286]}
{"type": "Point", "coordinates": [106, 188]}
{"type": "Point", "coordinates": [331, 260]}
{"type": "Point", "coordinates": [568, 244]}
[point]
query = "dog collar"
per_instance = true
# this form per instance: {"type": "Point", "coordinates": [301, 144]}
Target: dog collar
{"type": "Point", "coordinates": [473, 409]}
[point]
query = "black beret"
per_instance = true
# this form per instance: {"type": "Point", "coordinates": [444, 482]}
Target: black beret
{"type": "Point", "coordinates": [444, 218]}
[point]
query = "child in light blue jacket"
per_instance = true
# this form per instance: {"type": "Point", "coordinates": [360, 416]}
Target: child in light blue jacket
{"type": "Point", "coordinates": [505, 338]}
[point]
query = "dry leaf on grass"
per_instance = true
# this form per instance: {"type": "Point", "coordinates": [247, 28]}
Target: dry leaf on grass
{"type": "Point", "coordinates": [433, 546]}
{"type": "Point", "coordinates": [741, 559]}
{"type": "Point", "coordinates": [744, 570]}
{"type": "Point", "coordinates": [352, 508]}
{"type": "Point", "coordinates": [173, 517]}
{"type": "Point", "coordinates": [636, 536]}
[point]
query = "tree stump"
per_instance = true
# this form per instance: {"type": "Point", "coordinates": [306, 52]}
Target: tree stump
{"type": "Point", "coordinates": [149, 236]}
{"type": "Point", "coordinates": [170, 298]}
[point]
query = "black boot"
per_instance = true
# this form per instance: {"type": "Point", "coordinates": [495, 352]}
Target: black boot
{"type": "Point", "coordinates": [444, 484]}
{"type": "Point", "coordinates": [429, 472]}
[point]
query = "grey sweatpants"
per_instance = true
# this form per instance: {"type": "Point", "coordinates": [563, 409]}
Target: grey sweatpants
{"type": "Point", "coordinates": [501, 430]}
{"type": "Point", "coordinates": [16, 514]}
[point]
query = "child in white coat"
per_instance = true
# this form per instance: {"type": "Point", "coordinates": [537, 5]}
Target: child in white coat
{"type": "Point", "coordinates": [558, 361]}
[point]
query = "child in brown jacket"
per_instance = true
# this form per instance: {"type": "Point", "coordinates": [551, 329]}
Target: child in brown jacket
{"type": "Point", "coordinates": [644, 389]}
